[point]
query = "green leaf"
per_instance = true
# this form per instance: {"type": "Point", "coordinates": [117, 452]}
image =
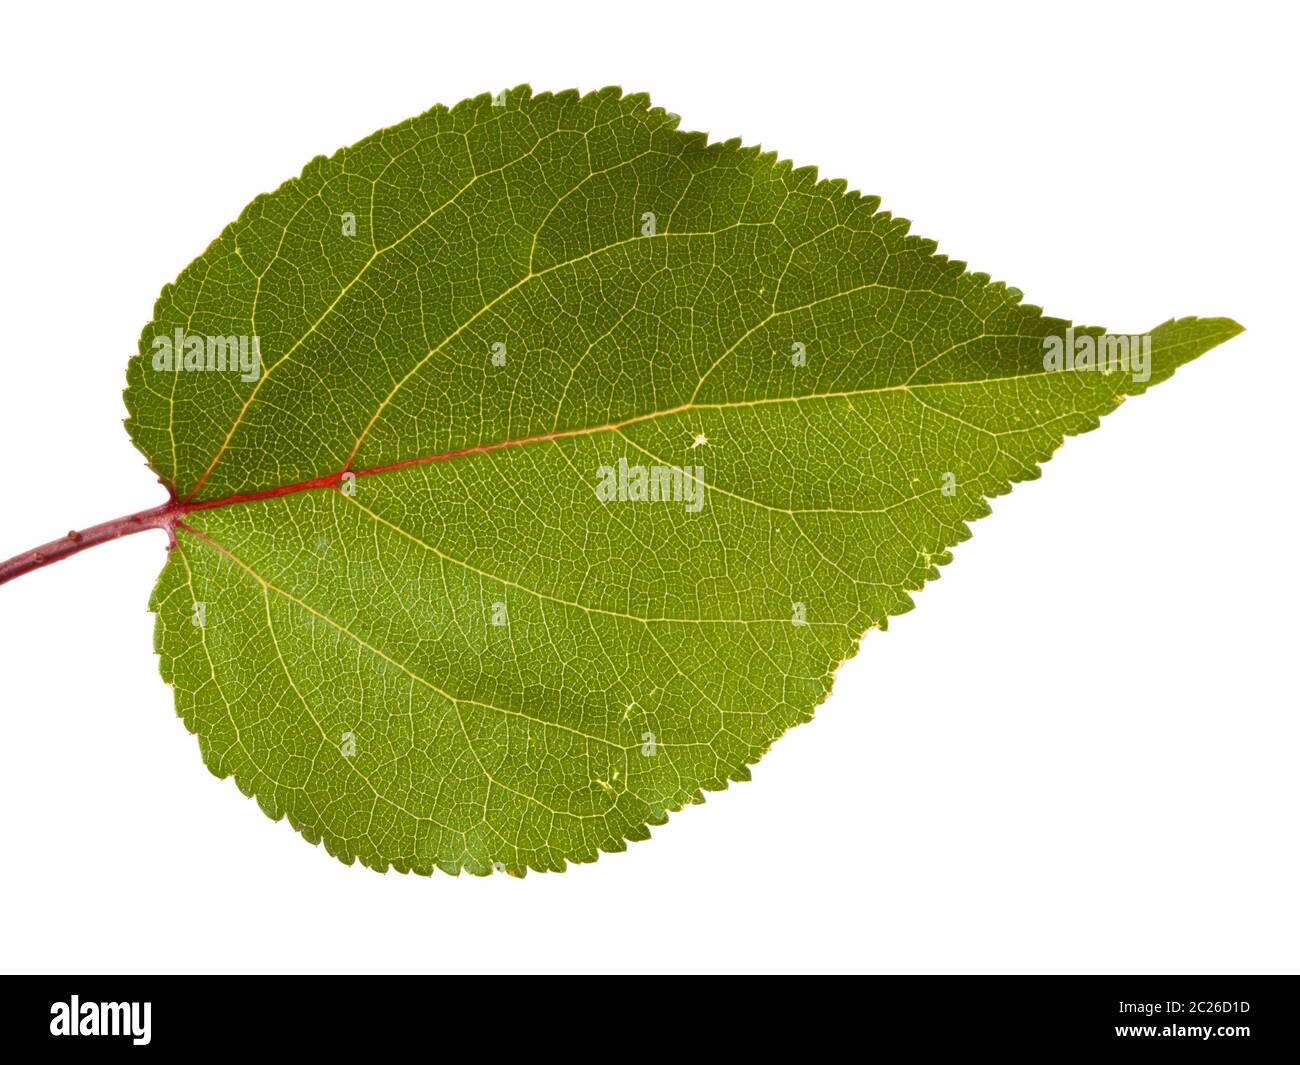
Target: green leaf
{"type": "Point", "coordinates": [399, 611]}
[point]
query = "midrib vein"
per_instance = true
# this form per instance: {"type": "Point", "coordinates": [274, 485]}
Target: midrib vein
{"type": "Point", "coordinates": [332, 480]}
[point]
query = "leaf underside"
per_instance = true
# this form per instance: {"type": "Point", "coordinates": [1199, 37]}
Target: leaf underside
{"type": "Point", "coordinates": [473, 662]}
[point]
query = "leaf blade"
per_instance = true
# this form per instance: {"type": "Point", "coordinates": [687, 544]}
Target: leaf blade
{"type": "Point", "coordinates": [370, 616]}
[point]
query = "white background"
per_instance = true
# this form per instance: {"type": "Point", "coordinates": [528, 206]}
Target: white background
{"type": "Point", "coordinates": [1077, 755]}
